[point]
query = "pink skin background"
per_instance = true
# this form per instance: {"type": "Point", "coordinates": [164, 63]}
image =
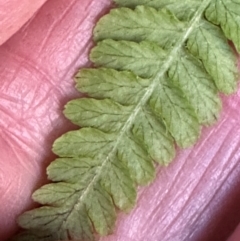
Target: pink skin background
{"type": "Point", "coordinates": [196, 198]}
{"type": "Point", "coordinates": [14, 13]}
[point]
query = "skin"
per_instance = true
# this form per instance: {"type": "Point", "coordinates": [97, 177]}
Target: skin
{"type": "Point", "coordinates": [196, 198]}
{"type": "Point", "coordinates": [14, 14]}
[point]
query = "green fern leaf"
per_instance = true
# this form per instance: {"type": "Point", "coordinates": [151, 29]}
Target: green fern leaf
{"type": "Point", "coordinates": [161, 67]}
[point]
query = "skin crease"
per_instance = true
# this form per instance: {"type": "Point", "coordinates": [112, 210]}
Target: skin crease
{"type": "Point", "coordinates": [196, 198]}
{"type": "Point", "coordinates": [14, 14]}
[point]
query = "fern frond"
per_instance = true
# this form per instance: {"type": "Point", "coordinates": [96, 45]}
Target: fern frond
{"type": "Point", "coordinates": [160, 68]}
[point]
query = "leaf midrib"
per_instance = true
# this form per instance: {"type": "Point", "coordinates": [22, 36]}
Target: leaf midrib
{"type": "Point", "coordinates": [148, 92]}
